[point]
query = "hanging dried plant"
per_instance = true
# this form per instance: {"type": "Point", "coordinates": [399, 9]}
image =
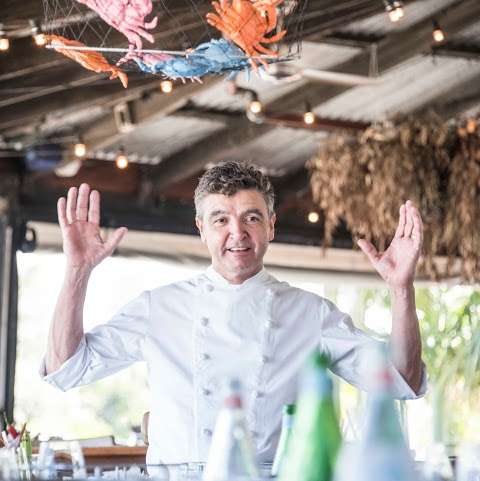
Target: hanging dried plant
{"type": "Point", "coordinates": [363, 179]}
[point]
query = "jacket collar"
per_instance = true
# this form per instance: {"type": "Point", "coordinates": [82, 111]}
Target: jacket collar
{"type": "Point", "coordinates": [220, 281]}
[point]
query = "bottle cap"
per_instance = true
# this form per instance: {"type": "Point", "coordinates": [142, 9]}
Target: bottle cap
{"type": "Point", "coordinates": [289, 409]}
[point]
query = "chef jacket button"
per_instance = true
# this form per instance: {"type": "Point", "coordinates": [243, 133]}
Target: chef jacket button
{"type": "Point", "coordinates": [204, 321]}
{"type": "Point", "coordinates": [207, 432]}
{"type": "Point", "coordinates": [265, 359]}
{"type": "Point", "coordinates": [257, 394]}
{"type": "Point", "coordinates": [269, 325]}
{"type": "Point", "coordinates": [209, 287]}
{"type": "Point", "coordinates": [204, 356]}
{"type": "Point", "coordinates": [254, 434]}
{"type": "Point", "coordinates": [206, 392]}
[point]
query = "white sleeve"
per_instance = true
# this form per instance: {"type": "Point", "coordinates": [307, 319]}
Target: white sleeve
{"type": "Point", "coordinates": [105, 349]}
{"type": "Point", "coordinates": [346, 346]}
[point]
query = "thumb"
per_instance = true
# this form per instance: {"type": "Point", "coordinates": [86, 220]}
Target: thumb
{"type": "Point", "coordinates": [369, 250]}
{"type": "Point", "coordinates": [115, 239]}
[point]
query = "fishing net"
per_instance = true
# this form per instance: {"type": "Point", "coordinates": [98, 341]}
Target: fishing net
{"type": "Point", "coordinates": [176, 38]}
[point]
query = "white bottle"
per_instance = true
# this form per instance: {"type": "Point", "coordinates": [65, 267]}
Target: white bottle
{"type": "Point", "coordinates": [382, 453]}
{"type": "Point", "coordinates": [231, 455]}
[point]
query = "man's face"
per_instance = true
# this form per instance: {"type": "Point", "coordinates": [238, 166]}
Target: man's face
{"type": "Point", "coordinates": [237, 230]}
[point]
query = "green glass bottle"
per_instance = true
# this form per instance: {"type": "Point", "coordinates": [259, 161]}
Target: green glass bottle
{"type": "Point", "coordinates": [288, 414]}
{"type": "Point", "coordinates": [316, 434]}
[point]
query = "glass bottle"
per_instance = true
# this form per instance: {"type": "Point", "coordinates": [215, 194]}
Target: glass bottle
{"type": "Point", "coordinates": [231, 454]}
{"type": "Point", "coordinates": [288, 415]}
{"type": "Point", "coordinates": [316, 434]}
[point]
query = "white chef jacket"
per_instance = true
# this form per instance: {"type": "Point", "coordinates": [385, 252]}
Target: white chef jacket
{"type": "Point", "coordinates": [196, 333]}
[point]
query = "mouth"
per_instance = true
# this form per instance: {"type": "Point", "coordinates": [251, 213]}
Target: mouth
{"type": "Point", "coordinates": [239, 250]}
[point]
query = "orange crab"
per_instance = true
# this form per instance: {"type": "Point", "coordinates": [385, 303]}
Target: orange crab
{"type": "Point", "coordinates": [89, 59]}
{"type": "Point", "coordinates": [246, 23]}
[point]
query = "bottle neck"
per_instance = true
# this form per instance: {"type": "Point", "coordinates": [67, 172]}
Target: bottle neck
{"type": "Point", "coordinates": [287, 421]}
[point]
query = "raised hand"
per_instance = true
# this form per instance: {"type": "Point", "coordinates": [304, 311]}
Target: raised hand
{"type": "Point", "coordinates": [397, 264]}
{"type": "Point", "coordinates": [79, 219]}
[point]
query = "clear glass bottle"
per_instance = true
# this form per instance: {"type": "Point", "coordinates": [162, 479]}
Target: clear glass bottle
{"type": "Point", "coordinates": [288, 415]}
{"type": "Point", "coordinates": [231, 454]}
{"type": "Point", "coordinates": [382, 453]}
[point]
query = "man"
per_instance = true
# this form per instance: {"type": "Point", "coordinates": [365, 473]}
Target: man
{"type": "Point", "coordinates": [233, 319]}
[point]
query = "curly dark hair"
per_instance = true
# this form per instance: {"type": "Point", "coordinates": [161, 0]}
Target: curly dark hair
{"type": "Point", "coordinates": [228, 178]}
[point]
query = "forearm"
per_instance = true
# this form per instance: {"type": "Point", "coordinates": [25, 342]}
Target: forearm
{"type": "Point", "coordinates": [405, 339]}
{"type": "Point", "coordinates": [66, 328]}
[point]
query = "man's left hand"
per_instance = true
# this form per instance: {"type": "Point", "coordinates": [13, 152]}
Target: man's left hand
{"type": "Point", "coordinates": [397, 264]}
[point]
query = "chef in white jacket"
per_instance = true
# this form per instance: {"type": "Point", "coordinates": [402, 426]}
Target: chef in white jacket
{"type": "Point", "coordinates": [235, 318]}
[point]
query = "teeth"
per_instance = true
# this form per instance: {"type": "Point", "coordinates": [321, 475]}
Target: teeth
{"type": "Point", "coordinates": [238, 249]}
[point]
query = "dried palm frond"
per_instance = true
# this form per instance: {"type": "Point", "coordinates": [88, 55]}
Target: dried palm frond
{"type": "Point", "coordinates": [363, 180]}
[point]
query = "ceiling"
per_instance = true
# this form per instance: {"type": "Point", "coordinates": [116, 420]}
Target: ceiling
{"type": "Point", "coordinates": [173, 137]}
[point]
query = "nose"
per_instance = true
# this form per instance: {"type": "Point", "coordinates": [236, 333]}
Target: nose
{"type": "Point", "coordinates": [237, 229]}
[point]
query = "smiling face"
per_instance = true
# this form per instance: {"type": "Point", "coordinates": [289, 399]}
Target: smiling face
{"type": "Point", "coordinates": [236, 230]}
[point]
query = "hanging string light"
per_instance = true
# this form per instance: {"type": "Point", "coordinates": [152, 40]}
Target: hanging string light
{"type": "Point", "coordinates": [80, 149]}
{"type": "Point", "coordinates": [166, 86]}
{"type": "Point", "coordinates": [38, 37]}
{"type": "Point", "coordinates": [4, 40]}
{"type": "Point", "coordinates": [255, 106]}
{"type": "Point", "coordinates": [121, 160]}
{"type": "Point", "coordinates": [313, 217]}
{"type": "Point", "coordinates": [395, 10]}
{"type": "Point", "coordinates": [308, 116]}
{"type": "Point", "coordinates": [438, 34]}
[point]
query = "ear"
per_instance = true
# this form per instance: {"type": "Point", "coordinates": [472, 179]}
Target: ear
{"type": "Point", "coordinates": [271, 224]}
{"type": "Point", "coordinates": [199, 224]}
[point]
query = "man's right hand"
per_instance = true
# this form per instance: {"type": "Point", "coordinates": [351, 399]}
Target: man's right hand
{"type": "Point", "coordinates": [79, 219]}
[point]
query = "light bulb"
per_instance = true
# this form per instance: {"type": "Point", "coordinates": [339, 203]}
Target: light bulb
{"type": "Point", "coordinates": [166, 86]}
{"type": "Point", "coordinates": [255, 106]}
{"type": "Point", "coordinates": [4, 44]}
{"type": "Point", "coordinates": [40, 39]}
{"type": "Point", "coordinates": [313, 217]}
{"type": "Point", "coordinates": [395, 15]}
{"type": "Point", "coordinates": [80, 149]}
{"type": "Point", "coordinates": [394, 9]}
{"type": "Point", "coordinates": [438, 34]}
{"type": "Point", "coordinates": [309, 118]}
{"type": "Point", "coordinates": [121, 161]}
{"type": "Point", "coordinates": [471, 126]}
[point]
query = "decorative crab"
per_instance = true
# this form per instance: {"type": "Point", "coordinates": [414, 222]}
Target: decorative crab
{"type": "Point", "coordinates": [128, 17]}
{"type": "Point", "coordinates": [213, 57]}
{"type": "Point", "coordinates": [94, 61]}
{"type": "Point", "coordinates": [246, 23]}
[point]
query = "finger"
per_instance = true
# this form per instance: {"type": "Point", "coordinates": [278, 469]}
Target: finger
{"type": "Point", "coordinates": [115, 239]}
{"type": "Point", "coordinates": [62, 212]}
{"type": "Point", "coordinates": [401, 222]}
{"type": "Point", "coordinates": [417, 233]}
{"type": "Point", "coordinates": [408, 219]}
{"type": "Point", "coordinates": [369, 249]}
{"type": "Point", "coordinates": [82, 202]}
{"type": "Point", "coordinates": [94, 208]}
{"type": "Point", "coordinates": [72, 204]}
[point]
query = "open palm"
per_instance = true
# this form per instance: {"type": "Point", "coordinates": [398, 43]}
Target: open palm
{"type": "Point", "coordinates": [79, 219]}
{"type": "Point", "coordinates": [397, 264]}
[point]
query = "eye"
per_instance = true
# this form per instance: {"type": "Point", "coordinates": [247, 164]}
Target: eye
{"type": "Point", "coordinates": [220, 221]}
{"type": "Point", "coordinates": [253, 218]}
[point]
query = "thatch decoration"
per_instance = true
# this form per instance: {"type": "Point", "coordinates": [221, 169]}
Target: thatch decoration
{"type": "Point", "coordinates": [365, 178]}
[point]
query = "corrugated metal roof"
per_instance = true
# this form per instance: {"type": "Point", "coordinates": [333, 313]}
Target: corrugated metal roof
{"type": "Point", "coordinates": [405, 88]}
{"type": "Point", "coordinates": [152, 141]}
{"type": "Point", "coordinates": [314, 55]}
{"type": "Point", "coordinates": [415, 12]}
{"type": "Point", "coordinates": [471, 34]}
{"type": "Point", "coordinates": [280, 150]}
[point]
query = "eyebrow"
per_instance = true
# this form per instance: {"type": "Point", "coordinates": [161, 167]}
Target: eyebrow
{"type": "Point", "coordinates": [247, 212]}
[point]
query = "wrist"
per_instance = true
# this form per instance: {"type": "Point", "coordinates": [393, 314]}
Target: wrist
{"type": "Point", "coordinates": [401, 291]}
{"type": "Point", "coordinates": [77, 273]}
